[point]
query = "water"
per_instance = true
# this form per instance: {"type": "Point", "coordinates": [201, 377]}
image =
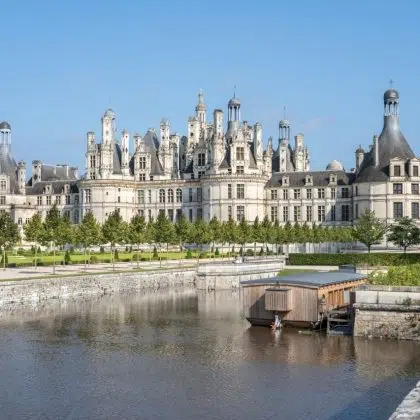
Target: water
{"type": "Point", "coordinates": [189, 355]}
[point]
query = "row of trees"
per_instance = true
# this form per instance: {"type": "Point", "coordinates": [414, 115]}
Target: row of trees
{"type": "Point", "coordinates": [56, 230]}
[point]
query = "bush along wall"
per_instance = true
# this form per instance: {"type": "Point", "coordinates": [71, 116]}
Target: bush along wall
{"type": "Point", "coordinates": [374, 259]}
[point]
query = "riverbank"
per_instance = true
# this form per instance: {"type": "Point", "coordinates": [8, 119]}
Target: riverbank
{"type": "Point", "coordinates": [409, 409]}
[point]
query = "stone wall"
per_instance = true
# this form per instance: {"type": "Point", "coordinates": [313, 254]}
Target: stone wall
{"type": "Point", "coordinates": [409, 409]}
{"type": "Point", "coordinates": [35, 291]}
{"type": "Point", "coordinates": [224, 276]}
{"type": "Point", "coordinates": [387, 312]}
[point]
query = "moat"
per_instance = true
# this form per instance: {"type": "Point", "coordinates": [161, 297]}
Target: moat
{"type": "Point", "coordinates": [186, 355]}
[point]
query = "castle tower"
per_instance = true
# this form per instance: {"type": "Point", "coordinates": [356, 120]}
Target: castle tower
{"type": "Point", "coordinates": [165, 152]}
{"type": "Point", "coordinates": [200, 110]}
{"type": "Point", "coordinates": [258, 144]}
{"type": "Point", "coordinates": [284, 138]}
{"type": "Point", "coordinates": [301, 154]}
{"type": "Point", "coordinates": [217, 143]}
{"type": "Point", "coordinates": [21, 177]}
{"type": "Point", "coordinates": [5, 138]}
{"type": "Point", "coordinates": [108, 140]}
{"type": "Point", "coordinates": [234, 114]}
{"type": "Point", "coordinates": [91, 158]}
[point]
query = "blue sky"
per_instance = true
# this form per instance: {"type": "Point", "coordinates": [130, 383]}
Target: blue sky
{"type": "Point", "coordinates": [63, 63]}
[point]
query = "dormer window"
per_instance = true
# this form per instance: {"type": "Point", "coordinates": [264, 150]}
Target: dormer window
{"type": "Point", "coordinates": [308, 180]}
{"type": "Point", "coordinates": [397, 170]}
{"type": "Point", "coordinates": [285, 180]}
{"type": "Point", "coordinates": [415, 170]}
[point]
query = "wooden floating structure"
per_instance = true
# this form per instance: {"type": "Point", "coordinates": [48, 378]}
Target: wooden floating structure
{"type": "Point", "coordinates": [302, 299]}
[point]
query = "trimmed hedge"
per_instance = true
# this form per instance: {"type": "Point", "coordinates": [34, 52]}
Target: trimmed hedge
{"type": "Point", "coordinates": [340, 259]}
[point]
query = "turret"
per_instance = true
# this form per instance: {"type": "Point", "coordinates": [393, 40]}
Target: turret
{"type": "Point", "coordinates": [165, 152]}
{"type": "Point", "coordinates": [21, 175]}
{"type": "Point", "coordinates": [258, 143]}
{"type": "Point", "coordinates": [36, 171]}
{"type": "Point", "coordinates": [108, 140]}
{"type": "Point", "coordinates": [234, 114]}
{"type": "Point", "coordinates": [200, 109]}
{"type": "Point", "coordinates": [125, 153]}
{"type": "Point", "coordinates": [268, 156]}
{"type": "Point", "coordinates": [5, 138]}
{"type": "Point", "coordinates": [360, 155]}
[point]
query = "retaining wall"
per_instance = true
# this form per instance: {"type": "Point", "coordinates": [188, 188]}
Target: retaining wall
{"type": "Point", "coordinates": [34, 291]}
{"type": "Point", "coordinates": [387, 312]}
{"type": "Point", "coordinates": [409, 409]}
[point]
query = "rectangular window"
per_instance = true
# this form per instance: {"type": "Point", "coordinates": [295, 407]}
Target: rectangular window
{"type": "Point", "coordinates": [140, 196]}
{"type": "Point", "coordinates": [296, 193]}
{"type": "Point", "coordinates": [178, 213]}
{"type": "Point", "coordinates": [199, 195]}
{"type": "Point", "coordinates": [415, 189]}
{"type": "Point", "coordinates": [142, 162]}
{"type": "Point", "coordinates": [274, 194]}
{"type": "Point", "coordinates": [285, 194]}
{"type": "Point", "coordinates": [93, 161]}
{"type": "Point", "coordinates": [333, 193]}
{"type": "Point", "coordinates": [356, 190]}
{"type": "Point", "coordinates": [309, 213]}
{"type": "Point", "coordinates": [119, 199]}
{"type": "Point", "coordinates": [345, 213]}
{"type": "Point", "coordinates": [229, 212]}
{"type": "Point", "coordinates": [296, 213]}
{"type": "Point", "coordinates": [2, 200]}
{"type": "Point", "coordinates": [190, 195]}
{"type": "Point", "coordinates": [229, 191]}
{"type": "Point", "coordinates": [397, 170]}
{"type": "Point", "coordinates": [170, 196]}
{"type": "Point", "coordinates": [141, 212]}
{"type": "Point", "coordinates": [201, 174]}
{"type": "Point", "coordinates": [58, 200]}
{"type": "Point", "coordinates": [273, 214]}
{"type": "Point", "coordinates": [190, 215]}
{"type": "Point", "coordinates": [240, 170]}
{"type": "Point", "coordinates": [161, 196]}
{"type": "Point", "coordinates": [321, 193]}
{"type": "Point", "coordinates": [142, 177]}
{"type": "Point", "coordinates": [3, 185]}
{"type": "Point", "coordinates": [87, 195]}
{"type": "Point", "coordinates": [39, 200]}
{"type": "Point", "coordinates": [240, 153]}
{"type": "Point", "coordinates": [48, 200]}
{"type": "Point", "coordinates": [149, 215]}
{"type": "Point", "coordinates": [151, 177]}
{"type": "Point", "coordinates": [398, 210]}
{"type": "Point", "coordinates": [414, 210]}
{"type": "Point", "coordinates": [201, 159]}
{"type": "Point", "coordinates": [171, 215]}
{"type": "Point", "coordinates": [285, 214]}
{"type": "Point", "coordinates": [397, 188]}
{"type": "Point", "coordinates": [68, 199]}
{"type": "Point", "coordinates": [240, 213]}
{"type": "Point", "coordinates": [333, 213]}
{"type": "Point", "coordinates": [309, 193]}
{"type": "Point", "coordinates": [344, 192]}
{"type": "Point", "coordinates": [321, 213]}
{"type": "Point", "coordinates": [415, 171]}
{"type": "Point", "coordinates": [356, 211]}
{"type": "Point", "coordinates": [240, 191]}
{"type": "Point", "coordinates": [149, 196]}
{"type": "Point", "coordinates": [179, 195]}
{"type": "Point", "coordinates": [199, 213]}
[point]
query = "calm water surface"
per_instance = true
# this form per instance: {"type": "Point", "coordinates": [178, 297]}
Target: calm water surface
{"type": "Point", "coordinates": [189, 355]}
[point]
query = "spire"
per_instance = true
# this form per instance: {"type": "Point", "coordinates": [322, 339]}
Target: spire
{"type": "Point", "coordinates": [200, 109]}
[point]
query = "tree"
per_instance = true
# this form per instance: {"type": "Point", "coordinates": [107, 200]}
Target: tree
{"type": "Point", "coordinates": [278, 235]}
{"type": "Point", "coordinates": [114, 232]}
{"type": "Point", "coordinates": [215, 230]}
{"type": "Point", "coordinates": [88, 233]}
{"type": "Point", "coordinates": [200, 233]}
{"type": "Point", "coordinates": [66, 232]}
{"type": "Point", "coordinates": [164, 230]}
{"type": "Point", "coordinates": [137, 232]}
{"type": "Point", "coordinates": [368, 230]}
{"type": "Point", "coordinates": [404, 233]}
{"type": "Point", "coordinates": [33, 230]}
{"type": "Point", "coordinates": [244, 231]}
{"type": "Point", "coordinates": [265, 231]}
{"type": "Point", "coordinates": [229, 233]}
{"type": "Point", "coordinates": [9, 234]}
{"type": "Point", "coordinates": [256, 234]}
{"type": "Point", "coordinates": [51, 229]}
{"type": "Point", "coordinates": [182, 230]}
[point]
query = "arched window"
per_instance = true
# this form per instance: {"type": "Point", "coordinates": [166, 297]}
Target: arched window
{"type": "Point", "coordinates": [179, 195]}
{"type": "Point", "coordinates": [161, 196]}
{"type": "Point", "coordinates": [170, 196]}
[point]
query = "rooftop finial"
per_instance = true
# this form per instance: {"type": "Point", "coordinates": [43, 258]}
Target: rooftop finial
{"type": "Point", "coordinates": [200, 96]}
{"type": "Point", "coordinates": [234, 91]}
{"type": "Point", "coordinates": [391, 82]}
{"type": "Point", "coordinates": [284, 111]}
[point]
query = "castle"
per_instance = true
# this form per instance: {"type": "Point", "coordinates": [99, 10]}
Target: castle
{"type": "Point", "coordinates": [216, 172]}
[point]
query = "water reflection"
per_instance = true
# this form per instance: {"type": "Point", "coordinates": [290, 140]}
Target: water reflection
{"type": "Point", "coordinates": [183, 354]}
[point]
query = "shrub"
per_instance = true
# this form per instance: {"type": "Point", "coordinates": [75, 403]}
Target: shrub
{"type": "Point", "coordinates": [116, 255]}
{"type": "Point", "coordinates": [125, 259]}
{"type": "Point", "coordinates": [402, 275]}
{"type": "Point", "coordinates": [217, 253]}
{"type": "Point", "coordinates": [261, 253]}
{"type": "Point", "coordinates": [102, 250]}
{"type": "Point", "coordinates": [386, 259]}
{"type": "Point", "coordinates": [189, 255]}
{"type": "Point", "coordinates": [134, 257]}
{"type": "Point", "coordinates": [21, 251]}
{"type": "Point", "coordinates": [93, 259]}
{"type": "Point", "coordinates": [249, 252]}
{"type": "Point", "coordinates": [203, 255]}
{"type": "Point", "coordinates": [11, 265]}
{"type": "Point", "coordinates": [67, 258]}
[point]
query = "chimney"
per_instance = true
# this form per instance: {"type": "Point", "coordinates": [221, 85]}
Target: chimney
{"type": "Point", "coordinates": [376, 149]}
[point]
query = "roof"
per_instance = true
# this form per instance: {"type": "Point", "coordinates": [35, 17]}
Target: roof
{"type": "Point", "coordinates": [320, 178]}
{"type": "Point", "coordinates": [57, 187]}
{"type": "Point", "coordinates": [276, 159]}
{"type": "Point", "coordinates": [8, 167]}
{"type": "Point", "coordinates": [5, 126]}
{"type": "Point", "coordinates": [315, 279]}
{"type": "Point", "coordinates": [391, 144]}
{"type": "Point", "coordinates": [151, 142]}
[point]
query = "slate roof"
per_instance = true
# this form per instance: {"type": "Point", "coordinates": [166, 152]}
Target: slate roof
{"type": "Point", "coordinates": [391, 144]}
{"type": "Point", "coordinates": [116, 159]}
{"type": "Point", "coordinates": [320, 178]}
{"type": "Point", "coordinates": [276, 159]}
{"type": "Point", "coordinates": [151, 142]}
{"type": "Point", "coordinates": [226, 161]}
{"type": "Point", "coordinates": [57, 187]}
{"type": "Point", "coordinates": [8, 167]}
{"type": "Point", "coordinates": [315, 279]}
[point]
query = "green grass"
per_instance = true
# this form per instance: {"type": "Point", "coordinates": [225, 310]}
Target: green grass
{"type": "Point", "coordinates": [288, 271]}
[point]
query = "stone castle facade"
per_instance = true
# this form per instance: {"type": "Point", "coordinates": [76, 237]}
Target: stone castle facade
{"type": "Point", "coordinates": [213, 171]}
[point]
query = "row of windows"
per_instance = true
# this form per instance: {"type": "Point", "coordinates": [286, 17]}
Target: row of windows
{"type": "Point", "coordinates": [48, 200]}
{"type": "Point", "coordinates": [172, 214]}
{"type": "Point", "coordinates": [297, 193]}
{"type": "Point", "coordinates": [168, 196]}
{"type": "Point", "coordinates": [320, 214]}
{"type": "Point", "coordinates": [398, 171]}
{"type": "Point", "coordinates": [398, 210]}
{"type": "Point", "coordinates": [397, 188]}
